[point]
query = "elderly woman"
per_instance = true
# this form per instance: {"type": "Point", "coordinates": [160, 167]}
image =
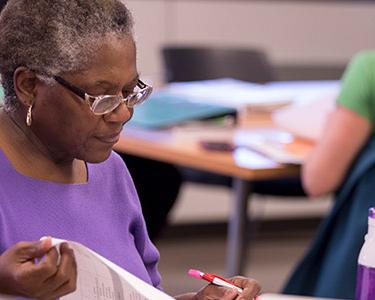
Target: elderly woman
{"type": "Point", "coordinates": [70, 79]}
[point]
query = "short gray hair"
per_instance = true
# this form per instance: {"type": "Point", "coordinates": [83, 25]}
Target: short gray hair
{"type": "Point", "coordinates": [55, 36]}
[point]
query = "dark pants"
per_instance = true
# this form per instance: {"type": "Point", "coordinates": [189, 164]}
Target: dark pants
{"type": "Point", "coordinates": [157, 185]}
{"type": "Point", "coordinates": [291, 186]}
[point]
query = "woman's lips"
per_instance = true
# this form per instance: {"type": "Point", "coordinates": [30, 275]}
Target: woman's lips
{"type": "Point", "coordinates": [110, 139]}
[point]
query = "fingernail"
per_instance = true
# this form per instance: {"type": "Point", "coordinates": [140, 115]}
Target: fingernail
{"type": "Point", "coordinates": [46, 241]}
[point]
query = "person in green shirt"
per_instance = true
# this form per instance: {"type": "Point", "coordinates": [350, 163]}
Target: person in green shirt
{"type": "Point", "coordinates": [343, 163]}
{"type": "Point", "coordinates": [348, 128]}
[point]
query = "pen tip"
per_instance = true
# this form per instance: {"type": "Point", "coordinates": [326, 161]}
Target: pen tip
{"type": "Point", "coordinates": [195, 273]}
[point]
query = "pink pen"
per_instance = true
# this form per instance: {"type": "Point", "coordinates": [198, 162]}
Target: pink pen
{"type": "Point", "coordinates": [215, 279]}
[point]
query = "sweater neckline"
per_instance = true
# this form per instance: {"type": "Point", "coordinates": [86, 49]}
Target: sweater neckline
{"type": "Point", "coordinates": [5, 162]}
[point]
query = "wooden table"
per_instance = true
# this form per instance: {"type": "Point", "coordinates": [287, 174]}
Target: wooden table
{"type": "Point", "coordinates": [182, 148]}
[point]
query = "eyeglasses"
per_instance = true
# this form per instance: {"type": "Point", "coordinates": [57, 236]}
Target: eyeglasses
{"type": "Point", "coordinates": [104, 104]}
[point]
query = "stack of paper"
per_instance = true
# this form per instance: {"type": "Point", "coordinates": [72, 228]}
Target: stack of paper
{"type": "Point", "coordinates": [277, 145]}
{"type": "Point", "coordinates": [236, 93]}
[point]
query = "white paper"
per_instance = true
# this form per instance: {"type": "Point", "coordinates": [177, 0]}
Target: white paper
{"type": "Point", "coordinates": [269, 143]}
{"type": "Point", "coordinates": [228, 92]}
{"type": "Point", "coordinates": [100, 279]}
{"type": "Point", "coordinates": [236, 93]}
{"type": "Point", "coordinates": [246, 158]}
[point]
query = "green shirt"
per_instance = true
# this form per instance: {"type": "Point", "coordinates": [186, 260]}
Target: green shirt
{"type": "Point", "coordinates": [358, 86]}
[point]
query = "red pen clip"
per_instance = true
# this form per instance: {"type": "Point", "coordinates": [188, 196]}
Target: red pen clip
{"type": "Point", "coordinates": [214, 279]}
{"type": "Point", "coordinates": [210, 277]}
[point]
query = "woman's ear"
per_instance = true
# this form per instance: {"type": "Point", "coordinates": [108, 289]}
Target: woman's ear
{"type": "Point", "coordinates": [24, 81]}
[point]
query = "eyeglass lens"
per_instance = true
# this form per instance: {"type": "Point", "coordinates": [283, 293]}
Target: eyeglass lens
{"type": "Point", "coordinates": [109, 103]}
{"type": "Point", "coordinates": [139, 97]}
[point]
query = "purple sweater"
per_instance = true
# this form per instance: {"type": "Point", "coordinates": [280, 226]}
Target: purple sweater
{"type": "Point", "coordinates": [103, 214]}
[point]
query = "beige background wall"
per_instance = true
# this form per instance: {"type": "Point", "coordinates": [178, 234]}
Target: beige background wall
{"type": "Point", "coordinates": [291, 32]}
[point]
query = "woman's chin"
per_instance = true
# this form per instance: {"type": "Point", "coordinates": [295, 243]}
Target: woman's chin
{"type": "Point", "coordinates": [97, 156]}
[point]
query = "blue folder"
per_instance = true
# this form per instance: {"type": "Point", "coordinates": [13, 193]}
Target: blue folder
{"type": "Point", "coordinates": [164, 109]}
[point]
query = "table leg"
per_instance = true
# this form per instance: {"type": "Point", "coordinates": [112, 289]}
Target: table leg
{"type": "Point", "coordinates": [236, 236]}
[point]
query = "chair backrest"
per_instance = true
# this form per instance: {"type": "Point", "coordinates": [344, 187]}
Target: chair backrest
{"type": "Point", "coordinates": [201, 63]}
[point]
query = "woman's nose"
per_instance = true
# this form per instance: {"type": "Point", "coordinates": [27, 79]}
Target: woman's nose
{"type": "Point", "coordinates": [121, 114]}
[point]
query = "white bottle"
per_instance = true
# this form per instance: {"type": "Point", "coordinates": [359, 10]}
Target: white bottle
{"type": "Point", "coordinates": [365, 289]}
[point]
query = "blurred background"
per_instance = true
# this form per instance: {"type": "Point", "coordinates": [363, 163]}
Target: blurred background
{"type": "Point", "coordinates": [303, 40]}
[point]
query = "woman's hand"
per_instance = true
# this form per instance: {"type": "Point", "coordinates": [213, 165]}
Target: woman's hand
{"type": "Point", "coordinates": [30, 269]}
{"type": "Point", "coordinates": [250, 287]}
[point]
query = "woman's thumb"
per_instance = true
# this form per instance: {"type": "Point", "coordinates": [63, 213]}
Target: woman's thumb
{"type": "Point", "coordinates": [37, 249]}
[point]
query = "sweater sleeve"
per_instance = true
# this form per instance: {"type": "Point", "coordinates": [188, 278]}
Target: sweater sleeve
{"type": "Point", "coordinates": [146, 249]}
{"type": "Point", "coordinates": [357, 92]}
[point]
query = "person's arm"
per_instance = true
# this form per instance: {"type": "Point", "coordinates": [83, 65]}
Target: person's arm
{"type": "Point", "coordinates": [347, 129]}
{"type": "Point", "coordinates": [344, 135]}
{"type": "Point", "coordinates": [21, 274]}
{"type": "Point", "coordinates": [251, 289]}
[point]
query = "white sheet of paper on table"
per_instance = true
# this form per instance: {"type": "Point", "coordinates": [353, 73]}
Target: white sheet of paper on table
{"type": "Point", "coordinates": [263, 148]}
{"type": "Point", "coordinates": [246, 158]}
{"type": "Point", "coordinates": [236, 93]}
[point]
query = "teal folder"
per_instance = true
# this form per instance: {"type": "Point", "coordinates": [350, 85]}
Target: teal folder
{"type": "Point", "coordinates": [164, 109]}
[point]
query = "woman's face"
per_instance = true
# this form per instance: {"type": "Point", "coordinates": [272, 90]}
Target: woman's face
{"type": "Point", "coordinates": [64, 122]}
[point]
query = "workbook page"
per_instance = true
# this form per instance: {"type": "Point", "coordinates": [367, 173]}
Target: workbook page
{"type": "Point", "coordinates": [99, 278]}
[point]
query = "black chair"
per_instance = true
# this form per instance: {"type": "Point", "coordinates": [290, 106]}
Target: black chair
{"type": "Point", "coordinates": [201, 63]}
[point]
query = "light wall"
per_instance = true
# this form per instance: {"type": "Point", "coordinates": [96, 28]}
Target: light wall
{"type": "Point", "coordinates": [292, 32]}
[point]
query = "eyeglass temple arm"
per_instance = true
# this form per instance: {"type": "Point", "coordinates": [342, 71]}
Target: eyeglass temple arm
{"type": "Point", "coordinates": [141, 84]}
{"type": "Point", "coordinates": [74, 89]}
{"type": "Point", "coordinates": [81, 93]}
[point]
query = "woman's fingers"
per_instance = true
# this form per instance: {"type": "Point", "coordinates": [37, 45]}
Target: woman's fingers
{"type": "Point", "coordinates": [64, 280]}
{"type": "Point", "coordinates": [31, 269]}
{"type": "Point", "coordinates": [67, 288]}
{"type": "Point", "coordinates": [229, 294]}
{"type": "Point", "coordinates": [251, 288]}
{"type": "Point", "coordinates": [45, 268]}
{"type": "Point", "coordinates": [214, 292]}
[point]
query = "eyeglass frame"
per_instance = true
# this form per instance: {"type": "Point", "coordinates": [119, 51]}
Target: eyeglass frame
{"type": "Point", "coordinates": [90, 100]}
